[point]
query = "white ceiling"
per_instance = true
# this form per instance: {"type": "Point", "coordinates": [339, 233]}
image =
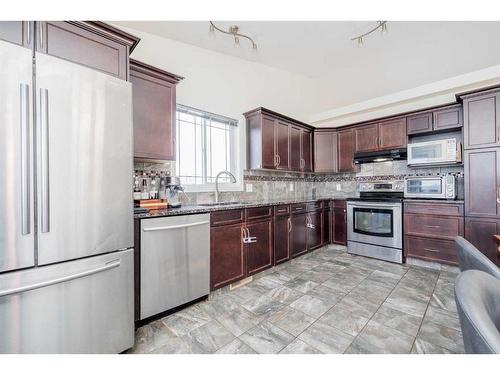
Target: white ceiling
{"type": "Point", "coordinates": [410, 54]}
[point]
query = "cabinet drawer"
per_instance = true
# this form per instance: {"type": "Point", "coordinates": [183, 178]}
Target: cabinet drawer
{"type": "Point", "coordinates": [227, 217]}
{"type": "Point", "coordinates": [313, 206]}
{"type": "Point", "coordinates": [431, 249]}
{"type": "Point", "coordinates": [258, 212]}
{"type": "Point", "coordinates": [298, 208]}
{"type": "Point", "coordinates": [447, 227]}
{"type": "Point", "coordinates": [282, 210]}
{"type": "Point", "coordinates": [338, 203]}
{"type": "Point", "coordinates": [448, 209]}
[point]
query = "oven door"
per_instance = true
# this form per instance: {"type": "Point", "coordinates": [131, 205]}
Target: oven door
{"type": "Point", "coordinates": [375, 223]}
{"type": "Point", "coordinates": [425, 187]}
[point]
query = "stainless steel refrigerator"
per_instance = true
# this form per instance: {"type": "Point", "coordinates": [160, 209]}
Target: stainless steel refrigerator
{"type": "Point", "coordinates": [66, 225]}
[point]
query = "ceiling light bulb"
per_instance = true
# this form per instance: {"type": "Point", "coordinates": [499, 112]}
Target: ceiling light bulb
{"type": "Point", "coordinates": [360, 41]}
{"type": "Point", "coordinates": [212, 28]}
{"type": "Point", "coordinates": [236, 41]}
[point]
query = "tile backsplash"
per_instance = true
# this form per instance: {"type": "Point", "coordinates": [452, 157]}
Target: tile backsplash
{"type": "Point", "coordinates": [271, 185]}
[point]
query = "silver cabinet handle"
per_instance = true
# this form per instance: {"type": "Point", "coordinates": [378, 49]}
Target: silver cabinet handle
{"type": "Point", "coordinates": [41, 35]}
{"type": "Point", "coordinates": [28, 32]}
{"type": "Point", "coordinates": [431, 226]}
{"type": "Point", "coordinates": [180, 226]}
{"type": "Point", "coordinates": [43, 135]}
{"type": "Point", "coordinates": [107, 266]}
{"type": "Point", "coordinates": [245, 235]}
{"type": "Point", "coordinates": [432, 250]}
{"type": "Point", "coordinates": [279, 160]}
{"type": "Point", "coordinates": [498, 194]}
{"type": "Point", "coordinates": [289, 225]}
{"type": "Point", "coordinates": [24, 93]}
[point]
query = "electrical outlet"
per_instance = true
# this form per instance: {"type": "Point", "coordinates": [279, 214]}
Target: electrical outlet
{"type": "Point", "coordinates": [338, 187]}
{"type": "Point", "coordinates": [291, 186]}
{"type": "Point", "coordinates": [248, 188]}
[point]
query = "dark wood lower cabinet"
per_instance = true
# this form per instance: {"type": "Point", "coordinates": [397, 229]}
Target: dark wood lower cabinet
{"type": "Point", "coordinates": [259, 252]}
{"type": "Point", "coordinates": [326, 223]}
{"type": "Point", "coordinates": [227, 255]}
{"type": "Point", "coordinates": [338, 223]}
{"type": "Point", "coordinates": [480, 231]}
{"type": "Point", "coordinates": [315, 230]}
{"type": "Point", "coordinates": [282, 228]}
{"type": "Point", "coordinates": [298, 238]}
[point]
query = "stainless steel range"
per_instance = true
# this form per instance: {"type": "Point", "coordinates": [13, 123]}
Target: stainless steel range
{"type": "Point", "coordinates": [374, 220]}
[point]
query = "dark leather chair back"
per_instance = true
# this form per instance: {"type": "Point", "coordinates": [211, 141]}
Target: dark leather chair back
{"type": "Point", "coordinates": [470, 258]}
{"type": "Point", "coordinates": [477, 295]}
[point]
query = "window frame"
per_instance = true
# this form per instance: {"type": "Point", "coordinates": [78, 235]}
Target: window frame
{"type": "Point", "coordinates": [235, 156]}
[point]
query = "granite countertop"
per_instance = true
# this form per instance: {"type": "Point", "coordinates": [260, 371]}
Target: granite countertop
{"type": "Point", "coordinates": [199, 209]}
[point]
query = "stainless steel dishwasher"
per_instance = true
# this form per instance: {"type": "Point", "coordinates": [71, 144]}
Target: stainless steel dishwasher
{"type": "Point", "coordinates": [175, 262]}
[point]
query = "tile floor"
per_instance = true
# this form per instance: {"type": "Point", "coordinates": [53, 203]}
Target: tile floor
{"type": "Point", "coordinates": [327, 301]}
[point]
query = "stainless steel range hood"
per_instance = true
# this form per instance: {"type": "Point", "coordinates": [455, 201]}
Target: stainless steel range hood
{"type": "Point", "coordinates": [379, 156]}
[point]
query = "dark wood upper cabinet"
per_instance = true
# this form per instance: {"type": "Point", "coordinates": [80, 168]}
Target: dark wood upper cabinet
{"type": "Point", "coordinates": [366, 138]}
{"type": "Point", "coordinates": [392, 134]}
{"type": "Point", "coordinates": [420, 123]}
{"type": "Point", "coordinates": [154, 108]}
{"type": "Point", "coordinates": [93, 44]}
{"type": "Point", "coordinates": [268, 150]}
{"type": "Point", "coordinates": [482, 182]}
{"type": "Point", "coordinates": [227, 255]}
{"type": "Point", "coordinates": [448, 118]}
{"type": "Point", "coordinates": [295, 145]}
{"type": "Point", "coordinates": [306, 150]}
{"type": "Point", "coordinates": [346, 148]}
{"type": "Point", "coordinates": [275, 141]}
{"type": "Point", "coordinates": [338, 225]}
{"type": "Point", "coordinates": [282, 135]}
{"type": "Point", "coordinates": [481, 120]}
{"type": "Point", "coordinates": [18, 32]}
{"type": "Point", "coordinates": [325, 151]}
{"type": "Point", "coordinates": [259, 251]}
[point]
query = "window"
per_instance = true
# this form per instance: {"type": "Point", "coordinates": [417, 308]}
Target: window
{"type": "Point", "coordinates": [205, 146]}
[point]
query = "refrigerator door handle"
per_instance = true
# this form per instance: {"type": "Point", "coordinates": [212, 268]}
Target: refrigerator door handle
{"type": "Point", "coordinates": [43, 129]}
{"type": "Point", "coordinates": [24, 93]}
{"type": "Point", "coordinates": [22, 289]}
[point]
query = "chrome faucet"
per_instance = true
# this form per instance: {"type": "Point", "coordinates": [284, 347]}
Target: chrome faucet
{"type": "Point", "coordinates": [217, 183]}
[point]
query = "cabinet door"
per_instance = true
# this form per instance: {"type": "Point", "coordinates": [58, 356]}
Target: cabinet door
{"type": "Point", "coordinates": [227, 261]}
{"type": "Point", "coordinates": [82, 46]}
{"type": "Point", "coordinates": [366, 138]}
{"type": "Point", "coordinates": [306, 150]}
{"type": "Point", "coordinates": [345, 150]}
{"type": "Point", "coordinates": [479, 232]}
{"type": "Point", "coordinates": [259, 251]}
{"type": "Point", "coordinates": [282, 228]}
{"type": "Point", "coordinates": [419, 123]}
{"type": "Point", "coordinates": [392, 134]}
{"type": "Point", "coordinates": [339, 226]}
{"type": "Point", "coordinates": [154, 116]}
{"type": "Point", "coordinates": [315, 230]}
{"type": "Point", "coordinates": [448, 118]}
{"type": "Point", "coordinates": [482, 182]}
{"type": "Point", "coordinates": [325, 152]}
{"type": "Point", "coordinates": [268, 143]}
{"type": "Point", "coordinates": [295, 146]}
{"type": "Point", "coordinates": [298, 239]}
{"type": "Point", "coordinates": [282, 134]}
{"type": "Point", "coordinates": [17, 32]}
{"type": "Point", "coordinates": [326, 224]}
{"type": "Point", "coordinates": [481, 121]}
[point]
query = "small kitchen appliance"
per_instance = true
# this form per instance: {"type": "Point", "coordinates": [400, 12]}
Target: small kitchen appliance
{"type": "Point", "coordinates": [432, 187]}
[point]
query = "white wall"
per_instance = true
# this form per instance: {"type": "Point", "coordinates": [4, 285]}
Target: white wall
{"type": "Point", "coordinates": [223, 84]}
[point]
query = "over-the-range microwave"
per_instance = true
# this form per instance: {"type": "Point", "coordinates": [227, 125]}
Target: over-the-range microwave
{"type": "Point", "coordinates": [444, 151]}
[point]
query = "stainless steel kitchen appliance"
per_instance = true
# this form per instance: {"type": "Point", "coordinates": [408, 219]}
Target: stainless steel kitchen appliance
{"type": "Point", "coordinates": [175, 262]}
{"type": "Point", "coordinates": [66, 226]}
{"type": "Point", "coordinates": [437, 152]}
{"type": "Point", "coordinates": [435, 187]}
{"type": "Point", "coordinates": [374, 220]}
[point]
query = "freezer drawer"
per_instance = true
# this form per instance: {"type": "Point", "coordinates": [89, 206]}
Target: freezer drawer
{"type": "Point", "coordinates": [175, 262]}
{"type": "Point", "coordinates": [83, 306]}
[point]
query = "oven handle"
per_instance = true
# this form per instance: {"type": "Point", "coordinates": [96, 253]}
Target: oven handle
{"type": "Point", "coordinates": [371, 205]}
